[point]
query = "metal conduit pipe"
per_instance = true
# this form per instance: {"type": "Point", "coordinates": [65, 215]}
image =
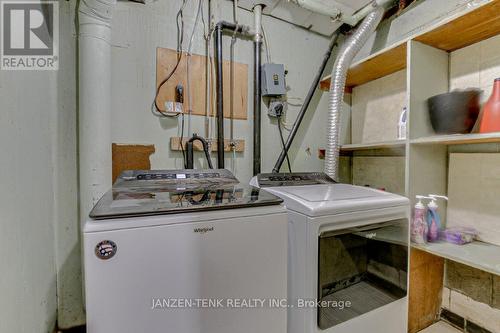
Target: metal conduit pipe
{"type": "Point", "coordinates": [257, 106]}
{"type": "Point", "coordinates": [219, 30]}
{"type": "Point", "coordinates": [305, 106]}
{"type": "Point", "coordinates": [339, 75]}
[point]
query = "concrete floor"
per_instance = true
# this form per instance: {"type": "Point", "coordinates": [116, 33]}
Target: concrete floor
{"type": "Point", "coordinates": [440, 327]}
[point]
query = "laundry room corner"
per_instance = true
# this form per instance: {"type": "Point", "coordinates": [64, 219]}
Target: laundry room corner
{"type": "Point", "coordinates": [220, 166]}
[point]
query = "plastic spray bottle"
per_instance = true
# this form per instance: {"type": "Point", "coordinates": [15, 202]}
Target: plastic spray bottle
{"type": "Point", "coordinates": [419, 228]}
{"type": "Point", "coordinates": [433, 218]}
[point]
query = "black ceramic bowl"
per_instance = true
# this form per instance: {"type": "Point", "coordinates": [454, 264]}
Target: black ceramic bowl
{"type": "Point", "coordinates": [454, 112]}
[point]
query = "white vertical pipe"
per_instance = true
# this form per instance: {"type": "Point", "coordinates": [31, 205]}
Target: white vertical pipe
{"type": "Point", "coordinates": [94, 101]}
{"type": "Point", "coordinates": [257, 14]}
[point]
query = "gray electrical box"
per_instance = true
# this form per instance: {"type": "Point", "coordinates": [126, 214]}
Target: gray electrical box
{"type": "Point", "coordinates": [273, 80]}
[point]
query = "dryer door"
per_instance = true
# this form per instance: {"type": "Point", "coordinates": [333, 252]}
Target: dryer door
{"type": "Point", "coordinates": [360, 270]}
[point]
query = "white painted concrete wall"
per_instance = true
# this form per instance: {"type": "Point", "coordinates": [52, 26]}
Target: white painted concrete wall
{"type": "Point", "coordinates": [27, 249]}
{"type": "Point", "coordinates": [67, 231]}
{"type": "Point", "coordinates": [138, 30]}
{"type": "Point", "coordinates": [39, 250]}
{"type": "Point", "coordinates": [476, 66]}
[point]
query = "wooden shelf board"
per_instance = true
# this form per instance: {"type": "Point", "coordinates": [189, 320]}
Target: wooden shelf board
{"type": "Point", "coordinates": [483, 256]}
{"type": "Point", "coordinates": [475, 26]}
{"type": "Point", "coordinates": [375, 145]}
{"type": "Point", "coordinates": [458, 139]}
{"type": "Point", "coordinates": [470, 28]}
{"type": "Point", "coordinates": [378, 65]}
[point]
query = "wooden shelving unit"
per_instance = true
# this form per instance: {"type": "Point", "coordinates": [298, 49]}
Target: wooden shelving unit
{"type": "Point", "coordinates": [473, 27]}
{"type": "Point", "coordinates": [477, 25]}
{"type": "Point", "coordinates": [378, 65]}
{"type": "Point", "coordinates": [483, 256]}
{"type": "Point", "coordinates": [458, 139]}
{"type": "Point", "coordinates": [425, 58]}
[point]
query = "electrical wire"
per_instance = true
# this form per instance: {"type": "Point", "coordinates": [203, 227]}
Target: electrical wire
{"type": "Point", "coordinates": [180, 40]}
{"type": "Point", "coordinates": [283, 143]}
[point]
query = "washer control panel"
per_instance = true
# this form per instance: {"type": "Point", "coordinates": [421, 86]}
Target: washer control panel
{"type": "Point", "coordinates": [153, 176]}
{"type": "Point", "coordinates": [293, 179]}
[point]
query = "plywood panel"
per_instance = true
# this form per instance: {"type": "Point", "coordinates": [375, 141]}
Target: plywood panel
{"type": "Point", "coordinates": [376, 107]}
{"type": "Point", "coordinates": [165, 62]}
{"type": "Point", "coordinates": [426, 284]}
{"type": "Point", "coordinates": [474, 192]}
{"type": "Point", "coordinates": [471, 28]}
{"type": "Point", "coordinates": [175, 145]}
{"type": "Point", "coordinates": [131, 157]}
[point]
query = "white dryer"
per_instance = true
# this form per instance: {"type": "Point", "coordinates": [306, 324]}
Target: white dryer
{"type": "Point", "coordinates": [348, 255]}
{"type": "Point", "coordinates": [185, 251]}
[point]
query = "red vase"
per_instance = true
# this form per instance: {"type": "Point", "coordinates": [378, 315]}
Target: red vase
{"type": "Point", "coordinates": [490, 121]}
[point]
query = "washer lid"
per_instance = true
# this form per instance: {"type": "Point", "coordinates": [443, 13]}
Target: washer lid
{"type": "Point", "coordinates": [331, 199]}
{"type": "Point", "coordinates": [159, 192]}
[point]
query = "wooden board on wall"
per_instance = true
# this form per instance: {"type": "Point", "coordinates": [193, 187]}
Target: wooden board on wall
{"type": "Point", "coordinates": [474, 192]}
{"type": "Point", "coordinates": [175, 145]}
{"type": "Point", "coordinates": [425, 292]}
{"type": "Point", "coordinates": [131, 157]}
{"type": "Point", "coordinates": [165, 62]}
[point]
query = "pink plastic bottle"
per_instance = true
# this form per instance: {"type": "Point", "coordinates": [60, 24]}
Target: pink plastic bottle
{"type": "Point", "coordinates": [419, 229]}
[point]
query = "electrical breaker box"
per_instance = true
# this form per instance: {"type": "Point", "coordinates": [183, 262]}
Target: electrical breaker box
{"type": "Point", "coordinates": [273, 80]}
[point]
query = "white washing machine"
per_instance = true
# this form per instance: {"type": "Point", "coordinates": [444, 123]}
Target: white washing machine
{"type": "Point", "coordinates": [348, 255]}
{"type": "Point", "coordinates": [185, 252]}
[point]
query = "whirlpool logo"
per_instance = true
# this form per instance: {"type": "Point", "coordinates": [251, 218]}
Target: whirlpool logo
{"type": "Point", "coordinates": [29, 35]}
{"type": "Point", "coordinates": [105, 249]}
{"type": "Point", "coordinates": [203, 230]}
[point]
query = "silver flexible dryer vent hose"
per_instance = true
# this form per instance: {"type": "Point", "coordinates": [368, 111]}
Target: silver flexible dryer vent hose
{"type": "Point", "coordinates": [338, 80]}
